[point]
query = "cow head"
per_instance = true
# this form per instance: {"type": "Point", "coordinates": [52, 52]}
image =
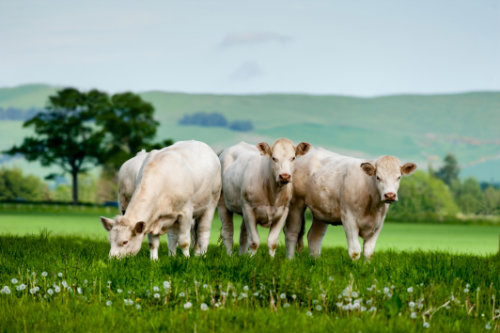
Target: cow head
{"type": "Point", "coordinates": [386, 174]}
{"type": "Point", "coordinates": [125, 238]}
{"type": "Point", "coordinates": [282, 155]}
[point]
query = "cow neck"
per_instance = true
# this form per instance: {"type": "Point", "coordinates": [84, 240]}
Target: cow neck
{"type": "Point", "coordinates": [277, 194]}
{"type": "Point", "coordinates": [139, 208]}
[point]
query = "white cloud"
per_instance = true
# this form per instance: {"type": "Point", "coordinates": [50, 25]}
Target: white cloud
{"type": "Point", "coordinates": [253, 38]}
{"type": "Point", "coordinates": [246, 71]}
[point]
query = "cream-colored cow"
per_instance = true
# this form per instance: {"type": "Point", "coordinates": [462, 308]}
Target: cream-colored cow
{"type": "Point", "coordinates": [177, 187]}
{"type": "Point", "coordinates": [257, 184]}
{"type": "Point", "coordinates": [127, 177]}
{"type": "Point", "coordinates": [342, 190]}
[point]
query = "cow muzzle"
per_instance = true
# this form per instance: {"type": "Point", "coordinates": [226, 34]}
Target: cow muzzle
{"type": "Point", "coordinates": [284, 178]}
{"type": "Point", "coordinates": [390, 197]}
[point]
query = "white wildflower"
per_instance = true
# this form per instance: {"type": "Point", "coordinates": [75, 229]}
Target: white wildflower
{"type": "Point", "coordinates": [309, 313]}
{"type": "Point", "coordinates": [318, 307]}
{"type": "Point", "coordinates": [182, 294]}
{"type": "Point", "coordinates": [372, 309]}
{"type": "Point", "coordinates": [188, 305]}
{"type": "Point", "coordinates": [166, 285]}
{"type": "Point", "coordinates": [426, 325]}
{"type": "Point", "coordinates": [138, 306]}
{"type": "Point", "coordinates": [5, 290]}
{"type": "Point", "coordinates": [128, 301]}
{"type": "Point", "coordinates": [50, 291]}
{"type": "Point", "coordinates": [245, 288]}
{"type": "Point", "coordinates": [339, 304]}
{"type": "Point", "coordinates": [256, 294]}
{"type": "Point", "coordinates": [330, 278]}
{"type": "Point", "coordinates": [294, 296]}
{"type": "Point", "coordinates": [108, 303]}
{"type": "Point", "coordinates": [79, 290]}
{"type": "Point", "coordinates": [44, 274]}
{"type": "Point", "coordinates": [411, 305]}
{"type": "Point", "coordinates": [354, 294]}
{"type": "Point", "coordinates": [156, 289]}
{"type": "Point", "coordinates": [60, 274]}
{"type": "Point", "coordinates": [34, 290]}
{"type": "Point", "coordinates": [22, 286]}
{"type": "Point", "coordinates": [363, 308]}
{"type": "Point", "coordinates": [413, 315]}
{"type": "Point", "coordinates": [203, 307]}
{"type": "Point", "coordinates": [156, 295]}
{"type": "Point", "coordinates": [205, 286]}
{"type": "Point", "coordinates": [14, 281]}
{"type": "Point", "coordinates": [386, 290]}
{"type": "Point", "coordinates": [57, 289]}
{"type": "Point", "coordinates": [119, 291]}
{"type": "Point", "coordinates": [488, 326]}
{"type": "Point", "coordinates": [466, 290]}
{"type": "Point", "coordinates": [286, 305]}
{"type": "Point", "coordinates": [64, 284]}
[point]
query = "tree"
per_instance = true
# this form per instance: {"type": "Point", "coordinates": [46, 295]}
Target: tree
{"type": "Point", "coordinates": [127, 126]}
{"type": "Point", "coordinates": [66, 134]}
{"type": "Point", "coordinates": [469, 197]}
{"type": "Point", "coordinates": [16, 186]}
{"type": "Point", "coordinates": [450, 170]}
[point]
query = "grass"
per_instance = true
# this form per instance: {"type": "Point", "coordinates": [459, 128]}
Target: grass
{"type": "Point", "coordinates": [84, 291]}
{"type": "Point", "coordinates": [84, 222]}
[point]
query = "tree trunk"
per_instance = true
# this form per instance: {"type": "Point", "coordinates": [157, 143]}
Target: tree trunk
{"type": "Point", "coordinates": [74, 174]}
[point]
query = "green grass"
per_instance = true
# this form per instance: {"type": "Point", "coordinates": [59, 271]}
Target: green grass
{"type": "Point", "coordinates": [84, 222]}
{"type": "Point", "coordinates": [451, 293]}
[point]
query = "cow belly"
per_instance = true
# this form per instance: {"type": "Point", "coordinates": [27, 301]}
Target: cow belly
{"type": "Point", "coordinates": [267, 215]}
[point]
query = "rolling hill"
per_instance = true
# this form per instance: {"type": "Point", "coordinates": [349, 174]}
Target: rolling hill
{"type": "Point", "coordinates": [420, 128]}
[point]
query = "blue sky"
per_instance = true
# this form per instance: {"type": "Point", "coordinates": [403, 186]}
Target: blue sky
{"type": "Point", "coordinates": [362, 48]}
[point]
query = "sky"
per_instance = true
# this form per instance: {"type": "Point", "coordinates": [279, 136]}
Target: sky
{"type": "Point", "coordinates": [361, 48]}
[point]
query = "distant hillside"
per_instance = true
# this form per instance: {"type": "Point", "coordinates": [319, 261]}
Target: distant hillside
{"type": "Point", "coordinates": [413, 127]}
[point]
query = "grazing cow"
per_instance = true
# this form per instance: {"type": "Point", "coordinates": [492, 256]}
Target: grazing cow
{"type": "Point", "coordinates": [177, 188]}
{"type": "Point", "coordinates": [342, 190]}
{"type": "Point", "coordinates": [257, 184]}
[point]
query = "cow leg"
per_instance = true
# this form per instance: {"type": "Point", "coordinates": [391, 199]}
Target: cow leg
{"type": "Point", "coordinates": [203, 230]}
{"type": "Point", "coordinates": [369, 243]}
{"type": "Point", "coordinates": [185, 222]}
{"type": "Point", "coordinates": [226, 217]}
{"type": "Point", "coordinates": [293, 227]}
{"type": "Point", "coordinates": [274, 233]}
{"type": "Point", "coordinates": [352, 233]}
{"type": "Point", "coordinates": [251, 227]}
{"type": "Point", "coordinates": [315, 237]}
{"type": "Point", "coordinates": [243, 239]}
{"type": "Point", "coordinates": [172, 240]}
{"type": "Point", "coordinates": [154, 244]}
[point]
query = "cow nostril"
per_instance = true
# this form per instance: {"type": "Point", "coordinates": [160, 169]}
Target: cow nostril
{"type": "Point", "coordinates": [284, 176]}
{"type": "Point", "coordinates": [390, 196]}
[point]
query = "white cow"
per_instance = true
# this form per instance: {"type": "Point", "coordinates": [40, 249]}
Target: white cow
{"type": "Point", "coordinates": [257, 184]}
{"type": "Point", "coordinates": [177, 187]}
{"type": "Point", "coordinates": [342, 190]}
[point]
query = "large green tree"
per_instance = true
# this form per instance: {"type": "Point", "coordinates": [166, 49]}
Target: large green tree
{"type": "Point", "coordinates": [80, 130]}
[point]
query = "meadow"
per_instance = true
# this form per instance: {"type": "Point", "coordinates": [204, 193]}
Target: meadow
{"type": "Point", "coordinates": [55, 275]}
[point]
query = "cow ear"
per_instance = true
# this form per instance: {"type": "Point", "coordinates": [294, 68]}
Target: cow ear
{"type": "Point", "coordinates": [139, 227]}
{"type": "Point", "coordinates": [264, 148]}
{"type": "Point", "coordinates": [107, 223]}
{"type": "Point", "coordinates": [368, 168]}
{"type": "Point", "coordinates": [302, 148]}
{"type": "Point", "coordinates": [408, 168]}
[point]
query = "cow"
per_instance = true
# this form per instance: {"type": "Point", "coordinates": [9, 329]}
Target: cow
{"type": "Point", "coordinates": [257, 184]}
{"type": "Point", "coordinates": [342, 190]}
{"type": "Point", "coordinates": [127, 177]}
{"type": "Point", "coordinates": [177, 188]}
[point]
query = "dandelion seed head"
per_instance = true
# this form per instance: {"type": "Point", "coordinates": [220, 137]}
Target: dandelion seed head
{"type": "Point", "coordinates": [487, 326]}
{"type": "Point", "coordinates": [108, 303]}
{"type": "Point", "coordinates": [318, 307]}
{"type": "Point", "coordinates": [14, 281]}
{"type": "Point", "coordinates": [60, 274]}
{"type": "Point", "coordinates": [426, 325]}
{"type": "Point", "coordinates": [203, 307]}
{"type": "Point", "coordinates": [138, 306]}
{"type": "Point", "coordinates": [119, 291]}
{"type": "Point", "coordinates": [309, 314]}
{"type": "Point", "coordinates": [182, 294]}
{"type": "Point", "coordinates": [50, 291]}
{"type": "Point", "coordinates": [5, 290]}
{"type": "Point", "coordinates": [188, 305]}
{"type": "Point", "coordinates": [156, 295]}
{"type": "Point", "coordinates": [411, 305]}
{"type": "Point", "coordinates": [44, 274]}
{"type": "Point", "coordinates": [245, 288]}
{"type": "Point", "coordinates": [413, 315]}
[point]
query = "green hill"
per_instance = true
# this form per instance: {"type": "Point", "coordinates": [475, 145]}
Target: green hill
{"type": "Point", "coordinates": [412, 127]}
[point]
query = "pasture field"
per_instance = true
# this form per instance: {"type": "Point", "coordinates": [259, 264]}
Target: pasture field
{"type": "Point", "coordinates": [52, 283]}
{"type": "Point", "coordinates": [55, 275]}
{"type": "Point", "coordinates": [84, 222]}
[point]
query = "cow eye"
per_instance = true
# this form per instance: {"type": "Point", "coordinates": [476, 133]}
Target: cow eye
{"type": "Point", "coordinates": [125, 242]}
{"type": "Point", "coordinates": [399, 177]}
{"type": "Point", "coordinates": [275, 159]}
{"type": "Point", "coordinates": [292, 159]}
{"type": "Point", "coordinates": [378, 178]}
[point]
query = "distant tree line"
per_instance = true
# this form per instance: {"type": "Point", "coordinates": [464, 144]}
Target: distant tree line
{"type": "Point", "coordinates": [441, 195]}
{"type": "Point", "coordinates": [17, 114]}
{"type": "Point", "coordinates": [215, 119]}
